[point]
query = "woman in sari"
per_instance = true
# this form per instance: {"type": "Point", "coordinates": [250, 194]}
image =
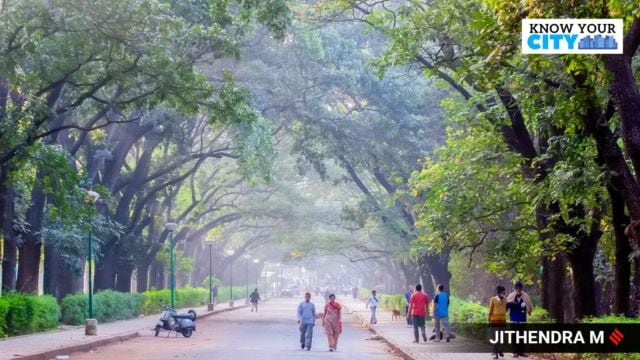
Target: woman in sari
{"type": "Point", "coordinates": [332, 322]}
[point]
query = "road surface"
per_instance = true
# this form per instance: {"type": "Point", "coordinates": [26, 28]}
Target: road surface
{"type": "Point", "coordinates": [271, 333]}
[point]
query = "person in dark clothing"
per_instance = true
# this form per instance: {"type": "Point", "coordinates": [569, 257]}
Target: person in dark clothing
{"type": "Point", "coordinates": [407, 297]}
{"type": "Point", "coordinates": [519, 305]}
{"type": "Point", "coordinates": [214, 294]}
{"type": "Point", "coordinates": [253, 299]}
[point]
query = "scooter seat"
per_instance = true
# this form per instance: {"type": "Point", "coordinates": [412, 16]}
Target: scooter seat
{"type": "Point", "coordinates": [183, 316]}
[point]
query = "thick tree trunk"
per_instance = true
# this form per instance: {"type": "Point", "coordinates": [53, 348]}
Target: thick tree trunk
{"type": "Point", "coordinates": [635, 300]}
{"type": "Point", "coordinates": [583, 282]}
{"type": "Point", "coordinates": [31, 247]}
{"type": "Point", "coordinates": [52, 264]}
{"type": "Point", "coordinates": [123, 278]}
{"type": "Point", "coordinates": [105, 274]}
{"type": "Point", "coordinates": [156, 275]}
{"type": "Point", "coordinates": [142, 279]}
{"type": "Point", "coordinates": [622, 280]}
{"type": "Point", "coordinates": [553, 287]}
{"type": "Point", "coordinates": [9, 250]}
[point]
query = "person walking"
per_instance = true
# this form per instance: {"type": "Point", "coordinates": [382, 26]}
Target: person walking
{"type": "Point", "coordinates": [354, 292]}
{"type": "Point", "coordinates": [441, 312]}
{"type": "Point", "coordinates": [253, 299]}
{"type": "Point", "coordinates": [372, 304]}
{"type": "Point", "coordinates": [519, 305]}
{"type": "Point", "coordinates": [418, 309]}
{"type": "Point", "coordinates": [306, 319]}
{"type": "Point", "coordinates": [497, 317]}
{"type": "Point", "coordinates": [332, 322]}
{"type": "Point", "coordinates": [214, 294]}
{"type": "Point", "coordinates": [407, 296]}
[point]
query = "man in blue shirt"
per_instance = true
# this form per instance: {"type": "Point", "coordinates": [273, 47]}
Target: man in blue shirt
{"type": "Point", "coordinates": [441, 312]}
{"type": "Point", "coordinates": [306, 320]}
{"type": "Point", "coordinates": [407, 297]}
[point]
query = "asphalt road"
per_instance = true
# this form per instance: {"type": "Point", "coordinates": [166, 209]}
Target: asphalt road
{"type": "Point", "coordinates": [271, 333]}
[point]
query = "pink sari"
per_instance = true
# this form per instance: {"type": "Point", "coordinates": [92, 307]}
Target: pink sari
{"type": "Point", "coordinates": [332, 323]}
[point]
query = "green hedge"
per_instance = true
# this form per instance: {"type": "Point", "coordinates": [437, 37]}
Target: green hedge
{"type": "Point", "coordinates": [111, 305]}
{"type": "Point", "coordinates": [4, 310]}
{"type": "Point", "coordinates": [23, 314]}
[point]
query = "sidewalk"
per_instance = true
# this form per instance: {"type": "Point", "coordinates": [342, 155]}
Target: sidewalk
{"type": "Point", "coordinates": [48, 345]}
{"type": "Point", "coordinates": [399, 337]}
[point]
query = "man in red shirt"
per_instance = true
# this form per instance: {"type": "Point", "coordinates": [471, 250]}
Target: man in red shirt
{"type": "Point", "coordinates": [418, 310]}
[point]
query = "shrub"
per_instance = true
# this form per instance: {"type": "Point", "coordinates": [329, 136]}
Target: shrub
{"type": "Point", "coordinates": [4, 310]}
{"type": "Point", "coordinates": [74, 309]}
{"type": "Point", "coordinates": [46, 313]}
{"type": "Point", "coordinates": [111, 305]}
{"type": "Point", "coordinates": [20, 314]}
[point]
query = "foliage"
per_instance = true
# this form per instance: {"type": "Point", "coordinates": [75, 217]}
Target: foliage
{"type": "Point", "coordinates": [74, 309]}
{"type": "Point", "coordinates": [46, 313]}
{"type": "Point", "coordinates": [23, 314]}
{"type": "Point", "coordinates": [4, 310]}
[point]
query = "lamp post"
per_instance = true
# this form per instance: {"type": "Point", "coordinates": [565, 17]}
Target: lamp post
{"type": "Point", "coordinates": [256, 261]}
{"type": "Point", "coordinates": [170, 227]}
{"type": "Point", "coordinates": [210, 304]}
{"type": "Point", "coordinates": [230, 253]}
{"type": "Point", "coordinates": [91, 324]}
{"type": "Point", "coordinates": [246, 298]}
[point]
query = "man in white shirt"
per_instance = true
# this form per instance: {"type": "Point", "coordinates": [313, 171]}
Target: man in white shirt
{"type": "Point", "coordinates": [372, 304]}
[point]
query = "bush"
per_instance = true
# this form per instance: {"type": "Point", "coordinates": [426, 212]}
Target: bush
{"type": "Point", "coordinates": [46, 313]}
{"type": "Point", "coordinates": [74, 309]}
{"type": "Point", "coordinates": [111, 305]}
{"type": "Point", "coordinates": [23, 314]}
{"type": "Point", "coordinates": [20, 315]}
{"type": "Point", "coordinates": [4, 310]}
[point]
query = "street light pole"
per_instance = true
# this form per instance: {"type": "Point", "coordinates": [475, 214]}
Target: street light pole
{"type": "Point", "coordinates": [256, 261]}
{"type": "Point", "coordinates": [246, 298]}
{"type": "Point", "coordinates": [230, 253]}
{"type": "Point", "coordinates": [210, 305]}
{"type": "Point", "coordinates": [91, 324]}
{"type": "Point", "coordinates": [171, 226]}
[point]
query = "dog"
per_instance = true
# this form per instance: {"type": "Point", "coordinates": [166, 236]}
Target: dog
{"type": "Point", "coordinates": [395, 315]}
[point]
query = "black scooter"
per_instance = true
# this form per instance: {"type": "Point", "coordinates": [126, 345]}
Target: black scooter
{"type": "Point", "coordinates": [184, 324]}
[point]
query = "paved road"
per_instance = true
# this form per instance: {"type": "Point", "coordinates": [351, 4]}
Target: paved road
{"type": "Point", "coordinates": [269, 334]}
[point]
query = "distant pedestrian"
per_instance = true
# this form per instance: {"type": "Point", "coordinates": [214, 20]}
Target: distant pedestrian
{"type": "Point", "coordinates": [497, 318]}
{"type": "Point", "coordinates": [214, 294]}
{"type": "Point", "coordinates": [519, 305]}
{"type": "Point", "coordinates": [418, 309]}
{"type": "Point", "coordinates": [441, 312]}
{"type": "Point", "coordinates": [354, 292]}
{"type": "Point", "coordinates": [407, 296]}
{"type": "Point", "coordinates": [306, 319]}
{"type": "Point", "coordinates": [253, 299]}
{"type": "Point", "coordinates": [372, 304]}
{"type": "Point", "coordinates": [332, 322]}
{"type": "Point", "coordinates": [326, 294]}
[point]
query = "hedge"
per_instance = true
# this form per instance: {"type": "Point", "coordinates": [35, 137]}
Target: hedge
{"type": "Point", "coordinates": [111, 305]}
{"type": "Point", "coordinates": [23, 314]}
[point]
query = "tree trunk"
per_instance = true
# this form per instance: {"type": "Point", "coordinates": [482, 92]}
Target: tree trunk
{"type": "Point", "coordinates": [583, 282]}
{"type": "Point", "coordinates": [123, 278]}
{"type": "Point", "coordinates": [31, 247]}
{"type": "Point", "coordinates": [52, 264]}
{"type": "Point", "coordinates": [635, 300]}
{"type": "Point", "coordinates": [156, 275]}
{"type": "Point", "coordinates": [105, 273]}
{"type": "Point", "coordinates": [623, 251]}
{"type": "Point", "coordinates": [553, 287]}
{"type": "Point", "coordinates": [9, 250]}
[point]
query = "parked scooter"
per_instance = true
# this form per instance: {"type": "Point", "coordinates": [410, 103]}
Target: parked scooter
{"type": "Point", "coordinates": [170, 320]}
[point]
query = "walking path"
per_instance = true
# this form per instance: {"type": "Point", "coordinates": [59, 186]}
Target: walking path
{"type": "Point", "coordinates": [50, 344]}
{"type": "Point", "coordinates": [400, 337]}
